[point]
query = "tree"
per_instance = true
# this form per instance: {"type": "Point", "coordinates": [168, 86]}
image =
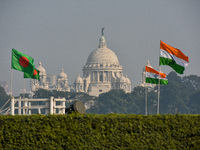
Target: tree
{"type": "Point", "coordinates": [138, 95]}
{"type": "Point", "coordinates": [115, 101]}
{"type": "Point", "coordinates": [192, 82]}
{"type": "Point", "coordinates": [61, 94]}
{"type": "Point", "coordinates": [194, 103]}
{"type": "Point", "coordinates": [41, 93]}
{"type": "Point", "coordinates": [112, 102]}
{"type": "Point", "coordinates": [174, 97]}
{"type": "Point", "coordinates": [152, 101]}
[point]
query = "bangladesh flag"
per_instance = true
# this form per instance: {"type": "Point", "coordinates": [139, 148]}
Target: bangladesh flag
{"type": "Point", "coordinates": [22, 62]}
{"type": "Point", "coordinates": [35, 75]}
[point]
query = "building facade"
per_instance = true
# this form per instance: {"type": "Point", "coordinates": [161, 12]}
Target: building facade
{"type": "Point", "coordinates": [49, 82]}
{"type": "Point", "coordinates": [102, 72]}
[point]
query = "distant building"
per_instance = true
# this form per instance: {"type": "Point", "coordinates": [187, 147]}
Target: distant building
{"type": "Point", "coordinates": [62, 82]}
{"type": "Point", "coordinates": [48, 82]}
{"type": "Point", "coordinates": [102, 72]}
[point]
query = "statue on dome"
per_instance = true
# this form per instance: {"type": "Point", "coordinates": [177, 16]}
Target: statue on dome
{"type": "Point", "coordinates": [102, 31]}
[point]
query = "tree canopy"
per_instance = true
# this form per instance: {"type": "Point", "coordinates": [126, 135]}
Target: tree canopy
{"type": "Point", "coordinates": [180, 96]}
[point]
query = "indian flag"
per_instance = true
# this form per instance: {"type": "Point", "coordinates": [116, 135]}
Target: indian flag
{"type": "Point", "coordinates": [153, 76]}
{"type": "Point", "coordinates": [173, 57]}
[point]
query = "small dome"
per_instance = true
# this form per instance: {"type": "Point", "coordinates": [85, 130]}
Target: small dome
{"type": "Point", "coordinates": [79, 79]}
{"type": "Point", "coordinates": [41, 69]}
{"type": "Point", "coordinates": [122, 79]}
{"type": "Point", "coordinates": [128, 80]}
{"type": "Point", "coordinates": [62, 74]}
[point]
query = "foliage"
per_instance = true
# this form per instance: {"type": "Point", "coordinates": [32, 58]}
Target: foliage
{"type": "Point", "coordinates": [192, 82]}
{"type": "Point", "coordinates": [110, 102]}
{"type": "Point", "coordinates": [111, 132]}
{"type": "Point", "coordinates": [42, 93]}
{"type": "Point", "coordinates": [194, 103]}
{"type": "Point", "coordinates": [179, 96]}
{"type": "Point", "coordinates": [174, 98]}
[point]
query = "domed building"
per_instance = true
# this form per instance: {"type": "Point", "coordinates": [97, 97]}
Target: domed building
{"type": "Point", "coordinates": [48, 82]}
{"type": "Point", "coordinates": [102, 72]}
{"type": "Point", "coordinates": [62, 82]}
{"type": "Point", "coordinates": [42, 83]}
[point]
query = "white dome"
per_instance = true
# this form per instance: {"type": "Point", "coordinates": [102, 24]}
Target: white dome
{"type": "Point", "coordinates": [102, 54]}
{"type": "Point", "coordinates": [41, 69]}
{"type": "Point", "coordinates": [62, 74]}
{"type": "Point", "coordinates": [79, 79]}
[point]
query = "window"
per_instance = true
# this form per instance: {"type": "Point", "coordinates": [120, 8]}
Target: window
{"type": "Point", "coordinates": [101, 78]}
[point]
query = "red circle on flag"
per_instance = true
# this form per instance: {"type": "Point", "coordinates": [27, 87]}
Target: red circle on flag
{"type": "Point", "coordinates": [35, 72]}
{"type": "Point", "coordinates": [23, 61]}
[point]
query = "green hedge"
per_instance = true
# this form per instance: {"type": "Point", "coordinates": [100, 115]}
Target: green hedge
{"type": "Point", "coordinates": [111, 131]}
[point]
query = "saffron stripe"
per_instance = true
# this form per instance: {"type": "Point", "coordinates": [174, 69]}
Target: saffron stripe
{"type": "Point", "coordinates": [149, 69]}
{"type": "Point", "coordinates": [174, 51]}
{"type": "Point", "coordinates": [153, 75]}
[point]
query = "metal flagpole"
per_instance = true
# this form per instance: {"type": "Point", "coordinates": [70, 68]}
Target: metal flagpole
{"type": "Point", "coordinates": [24, 90]}
{"type": "Point", "coordinates": [158, 91]}
{"type": "Point", "coordinates": [11, 83]}
{"type": "Point", "coordinates": [159, 70]}
{"type": "Point", "coordinates": [145, 99]}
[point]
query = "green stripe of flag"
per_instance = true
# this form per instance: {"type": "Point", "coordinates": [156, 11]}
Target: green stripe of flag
{"type": "Point", "coordinates": [166, 61]}
{"type": "Point", "coordinates": [155, 81]}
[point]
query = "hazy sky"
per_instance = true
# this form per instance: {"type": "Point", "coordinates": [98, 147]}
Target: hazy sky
{"type": "Point", "coordinates": [62, 34]}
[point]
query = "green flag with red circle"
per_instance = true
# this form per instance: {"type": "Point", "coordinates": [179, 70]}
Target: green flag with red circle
{"type": "Point", "coordinates": [35, 75]}
{"type": "Point", "coordinates": [22, 62]}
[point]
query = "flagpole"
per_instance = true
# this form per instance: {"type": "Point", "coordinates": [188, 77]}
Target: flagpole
{"type": "Point", "coordinates": [158, 91]}
{"type": "Point", "coordinates": [159, 69]}
{"type": "Point", "coordinates": [145, 99]}
{"type": "Point", "coordinates": [24, 90]}
{"type": "Point", "coordinates": [11, 83]}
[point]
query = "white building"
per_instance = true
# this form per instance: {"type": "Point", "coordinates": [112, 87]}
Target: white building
{"type": "Point", "coordinates": [49, 82]}
{"type": "Point", "coordinates": [102, 72]}
{"type": "Point", "coordinates": [62, 82]}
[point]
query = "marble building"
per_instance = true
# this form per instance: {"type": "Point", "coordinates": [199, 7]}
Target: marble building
{"type": "Point", "coordinates": [102, 72]}
{"type": "Point", "coordinates": [49, 82]}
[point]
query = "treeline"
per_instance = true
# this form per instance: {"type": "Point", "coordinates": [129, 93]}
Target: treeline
{"type": "Point", "coordinates": [180, 96]}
